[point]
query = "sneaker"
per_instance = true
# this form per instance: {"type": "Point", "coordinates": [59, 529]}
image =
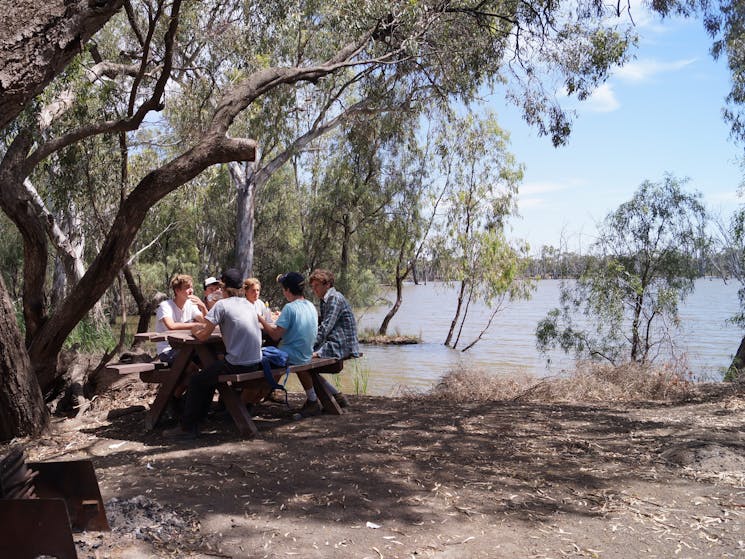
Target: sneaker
{"type": "Point", "coordinates": [179, 433]}
{"type": "Point", "coordinates": [310, 409]}
{"type": "Point", "coordinates": [277, 396]}
{"type": "Point", "coordinates": [341, 400]}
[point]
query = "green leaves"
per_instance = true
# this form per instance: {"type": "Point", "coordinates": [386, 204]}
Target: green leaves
{"type": "Point", "coordinates": [623, 304]}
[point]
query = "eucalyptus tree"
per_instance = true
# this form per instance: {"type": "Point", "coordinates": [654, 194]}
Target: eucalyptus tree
{"type": "Point", "coordinates": [481, 179]}
{"type": "Point", "coordinates": [300, 116]}
{"type": "Point", "coordinates": [623, 305]}
{"type": "Point", "coordinates": [402, 235]}
{"type": "Point", "coordinates": [37, 40]}
{"type": "Point", "coordinates": [356, 189]}
{"type": "Point", "coordinates": [150, 56]}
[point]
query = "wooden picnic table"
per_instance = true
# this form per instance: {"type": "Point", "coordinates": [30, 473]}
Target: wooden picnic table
{"type": "Point", "coordinates": [230, 386]}
{"type": "Point", "coordinates": [177, 375]}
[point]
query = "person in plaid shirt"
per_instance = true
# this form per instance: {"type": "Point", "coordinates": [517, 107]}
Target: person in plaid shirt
{"type": "Point", "coordinates": [337, 328]}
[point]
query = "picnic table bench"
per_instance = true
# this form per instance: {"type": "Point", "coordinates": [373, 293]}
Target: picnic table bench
{"type": "Point", "coordinates": [128, 367]}
{"type": "Point", "coordinates": [236, 390]}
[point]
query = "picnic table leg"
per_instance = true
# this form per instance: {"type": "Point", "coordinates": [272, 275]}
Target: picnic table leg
{"type": "Point", "coordinates": [328, 401]}
{"type": "Point", "coordinates": [238, 411]}
{"type": "Point", "coordinates": [165, 392]}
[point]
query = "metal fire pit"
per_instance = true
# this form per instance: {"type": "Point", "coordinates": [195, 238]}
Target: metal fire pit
{"type": "Point", "coordinates": [41, 503]}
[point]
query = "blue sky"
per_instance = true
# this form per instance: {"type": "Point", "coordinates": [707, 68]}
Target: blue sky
{"type": "Point", "coordinates": [660, 113]}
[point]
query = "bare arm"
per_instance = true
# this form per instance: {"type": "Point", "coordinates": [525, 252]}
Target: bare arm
{"type": "Point", "coordinates": [171, 324]}
{"type": "Point", "coordinates": [203, 330]}
{"type": "Point", "coordinates": [200, 305]}
{"type": "Point", "coordinates": [273, 331]}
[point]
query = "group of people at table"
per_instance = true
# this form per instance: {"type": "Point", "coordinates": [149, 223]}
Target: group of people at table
{"type": "Point", "coordinates": [233, 304]}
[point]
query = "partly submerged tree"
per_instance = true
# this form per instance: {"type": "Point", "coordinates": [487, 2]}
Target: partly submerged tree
{"type": "Point", "coordinates": [623, 305]}
{"type": "Point", "coordinates": [481, 179]}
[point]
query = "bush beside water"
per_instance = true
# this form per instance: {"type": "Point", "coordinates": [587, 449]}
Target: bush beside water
{"type": "Point", "coordinates": [589, 382]}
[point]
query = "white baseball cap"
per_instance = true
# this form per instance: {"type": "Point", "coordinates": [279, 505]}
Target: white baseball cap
{"type": "Point", "coordinates": [209, 281]}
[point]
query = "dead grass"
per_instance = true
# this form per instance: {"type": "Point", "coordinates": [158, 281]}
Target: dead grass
{"type": "Point", "coordinates": [589, 382]}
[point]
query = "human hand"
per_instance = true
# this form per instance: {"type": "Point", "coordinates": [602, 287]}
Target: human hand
{"type": "Point", "coordinates": [199, 303]}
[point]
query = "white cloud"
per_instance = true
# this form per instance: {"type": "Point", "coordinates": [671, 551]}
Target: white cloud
{"type": "Point", "coordinates": [532, 194]}
{"type": "Point", "coordinates": [643, 70]}
{"type": "Point", "coordinates": [602, 100]}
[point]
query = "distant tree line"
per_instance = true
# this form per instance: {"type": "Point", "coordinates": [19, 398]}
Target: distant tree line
{"type": "Point", "coordinates": [551, 263]}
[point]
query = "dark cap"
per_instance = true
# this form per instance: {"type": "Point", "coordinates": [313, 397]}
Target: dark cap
{"type": "Point", "coordinates": [232, 278]}
{"type": "Point", "coordinates": [292, 281]}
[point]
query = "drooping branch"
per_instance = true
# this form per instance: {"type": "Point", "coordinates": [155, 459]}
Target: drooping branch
{"type": "Point", "coordinates": [244, 93]}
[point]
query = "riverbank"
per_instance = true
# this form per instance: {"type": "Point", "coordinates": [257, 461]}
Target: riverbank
{"type": "Point", "coordinates": [422, 477]}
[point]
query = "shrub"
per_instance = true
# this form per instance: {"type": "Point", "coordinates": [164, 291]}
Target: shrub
{"type": "Point", "coordinates": [589, 382]}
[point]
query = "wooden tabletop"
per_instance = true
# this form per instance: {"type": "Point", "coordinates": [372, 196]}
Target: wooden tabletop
{"type": "Point", "coordinates": [185, 337]}
{"type": "Point", "coordinates": [181, 336]}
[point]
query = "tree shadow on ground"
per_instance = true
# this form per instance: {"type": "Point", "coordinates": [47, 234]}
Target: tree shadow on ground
{"type": "Point", "coordinates": [391, 460]}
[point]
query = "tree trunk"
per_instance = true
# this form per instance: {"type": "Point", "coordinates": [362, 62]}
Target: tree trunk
{"type": "Point", "coordinates": [244, 180]}
{"type": "Point", "coordinates": [463, 318]}
{"type": "Point", "coordinates": [345, 242]}
{"type": "Point", "coordinates": [394, 309]}
{"type": "Point", "coordinates": [38, 40]}
{"type": "Point", "coordinates": [145, 308]}
{"type": "Point", "coordinates": [14, 200]}
{"type": "Point", "coordinates": [454, 323]}
{"type": "Point", "coordinates": [737, 367]}
{"type": "Point", "coordinates": [635, 338]}
{"type": "Point", "coordinates": [22, 409]}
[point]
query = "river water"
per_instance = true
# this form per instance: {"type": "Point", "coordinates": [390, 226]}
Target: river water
{"type": "Point", "coordinates": [706, 340]}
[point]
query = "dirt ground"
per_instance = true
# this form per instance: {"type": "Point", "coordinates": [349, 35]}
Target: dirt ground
{"type": "Point", "coordinates": [411, 478]}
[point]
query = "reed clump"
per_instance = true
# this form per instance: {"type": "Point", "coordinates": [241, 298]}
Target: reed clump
{"type": "Point", "coordinates": [369, 336]}
{"type": "Point", "coordinates": [588, 382]}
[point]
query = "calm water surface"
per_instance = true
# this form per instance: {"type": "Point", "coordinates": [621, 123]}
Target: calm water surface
{"type": "Point", "coordinates": [706, 340]}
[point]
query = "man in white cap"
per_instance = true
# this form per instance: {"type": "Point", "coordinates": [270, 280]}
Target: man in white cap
{"type": "Point", "coordinates": [212, 291]}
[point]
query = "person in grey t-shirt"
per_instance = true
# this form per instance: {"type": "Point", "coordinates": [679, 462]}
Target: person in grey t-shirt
{"type": "Point", "coordinates": [239, 325]}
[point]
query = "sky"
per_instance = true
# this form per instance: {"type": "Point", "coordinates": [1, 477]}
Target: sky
{"type": "Point", "coordinates": [660, 113]}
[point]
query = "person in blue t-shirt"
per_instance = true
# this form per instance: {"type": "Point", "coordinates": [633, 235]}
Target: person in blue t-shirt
{"type": "Point", "coordinates": [297, 327]}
